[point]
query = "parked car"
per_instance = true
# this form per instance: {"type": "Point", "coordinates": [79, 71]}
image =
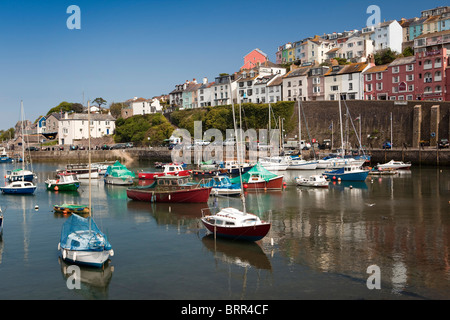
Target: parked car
{"type": "Point", "coordinates": [80, 147]}
{"type": "Point", "coordinates": [105, 147]}
{"type": "Point", "coordinates": [118, 146]}
{"type": "Point", "coordinates": [387, 145]}
{"type": "Point", "coordinates": [129, 145]}
{"type": "Point", "coordinates": [443, 143]}
{"type": "Point", "coordinates": [31, 149]}
{"type": "Point", "coordinates": [72, 147]}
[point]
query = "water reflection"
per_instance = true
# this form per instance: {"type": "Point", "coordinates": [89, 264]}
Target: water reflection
{"type": "Point", "coordinates": [94, 282]}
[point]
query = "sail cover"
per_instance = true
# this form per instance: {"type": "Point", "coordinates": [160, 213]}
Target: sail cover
{"type": "Point", "coordinates": [76, 235]}
{"type": "Point", "coordinates": [118, 170]}
{"type": "Point", "coordinates": [257, 169]}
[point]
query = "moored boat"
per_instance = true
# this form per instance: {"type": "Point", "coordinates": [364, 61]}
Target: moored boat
{"type": "Point", "coordinates": [237, 225]}
{"type": "Point", "coordinates": [118, 174]}
{"type": "Point", "coordinates": [393, 164]}
{"type": "Point", "coordinates": [172, 189]}
{"type": "Point", "coordinates": [4, 158]}
{"type": "Point", "coordinates": [222, 186]}
{"type": "Point", "coordinates": [20, 175]}
{"type": "Point", "coordinates": [82, 170]}
{"type": "Point", "coordinates": [71, 208]}
{"type": "Point", "coordinates": [347, 173]}
{"type": "Point", "coordinates": [168, 169]}
{"type": "Point", "coordinates": [19, 187]}
{"type": "Point", "coordinates": [259, 178]}
{"type": "Point", "coordinates": [65, 182]}
{"type": "Point", "coordinates": [314, 180]}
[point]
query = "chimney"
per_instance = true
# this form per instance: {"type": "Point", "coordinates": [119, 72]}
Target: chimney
{"type": "Point", "coordinates": [205, 80]}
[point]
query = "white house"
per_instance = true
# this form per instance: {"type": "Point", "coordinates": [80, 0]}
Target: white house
{"type": "Point", "coordinates": [76, 125]}
{"type": "Point", "coordinates": [388, 34]}
{"type": "Point", "coordinates": [141, 106]}
{"type": "Point", "coordinates": [204, 93]}
{"type": "Point", "coordinates": [347, 80]}
{"type": "Point", "coordinates": [275, 89]}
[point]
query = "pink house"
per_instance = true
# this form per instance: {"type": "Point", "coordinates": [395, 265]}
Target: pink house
{"type": "Point", "coordinates": [431, 74]}
{"type": "Point", "coordinates": [375, 79]}
{"type": "Point", "coordinates": [253, 59]}
{"type": "Point", "coordinates": [401, 79]}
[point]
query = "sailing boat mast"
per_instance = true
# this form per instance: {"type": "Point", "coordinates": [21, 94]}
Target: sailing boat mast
{"type": "Point", "coordinates": [89, 162]}
{"type": "Point", "coordinates": [23, 135]}
{"type": "Point", "coordinates": [237, 148]}
{"type": "Point", "coordinates": [340, 121]}
{"type": "Point", "coordinates": [299, 127]}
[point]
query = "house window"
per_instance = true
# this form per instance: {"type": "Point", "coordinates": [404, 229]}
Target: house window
{"type": "Point", "coordinates": [369, 87]}
{"type": "Point", "coordinates": [410, 77]}
{"type": "Point", "coordinates": [369, 77]}
{"type": "Point", "coordinates": [289, 84]}
{"type": "Point", "coordinates": [395, 70]}
{"type": "Point", "coordinates": [411, 87]}
{"type": "Point", "coordinates": [350, 76]}
{"type": "Point", "coordinates": [410, 67]}
{"type": "Point", "coordinates": [379, 86]}
{"type": "Point", "coordinates": [409, 97]}
{"type": "Point", "coordinates": [379, 76]}
{"type": "Point", "coordinates": [350, 86]}
{"type": "Point", "coordinates": [395, 79]}
{"type": "Point", "coordinates": [334, 88]}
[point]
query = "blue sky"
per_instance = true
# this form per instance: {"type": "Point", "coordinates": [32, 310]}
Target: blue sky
{"type": "Point", "coordinates": [144, 48]}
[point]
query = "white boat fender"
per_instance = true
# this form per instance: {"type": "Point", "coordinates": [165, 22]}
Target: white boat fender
{"type": "Point", "coordinates": [74, 256]}
{"type": "Point", "coordinates": [59, 246]}
{"type": "Point", "coordinates": [36, 207]}
{"type": "Point", "coordinates": [111, 252]}
{"type": "Point", "coordinates": [64, 254]}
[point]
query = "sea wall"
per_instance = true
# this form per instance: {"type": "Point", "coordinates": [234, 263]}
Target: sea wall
{"type": "Point", "coordinates": [412, 122]}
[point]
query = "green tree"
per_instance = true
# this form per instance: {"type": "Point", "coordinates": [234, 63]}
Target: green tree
{"type": "Point", "coordinates": [63, 106]}
{"type": "Point", "coordinates": [99, 102]}
{"type": "Point", "coordinates": [385, 56]}
{"type": "Point", "coordinates": [408, 52]}
{"type": "Point", "coordinates": [116, 109]}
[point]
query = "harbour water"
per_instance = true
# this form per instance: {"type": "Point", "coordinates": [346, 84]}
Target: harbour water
{"type": "Point", "coordinates": [323, 244]}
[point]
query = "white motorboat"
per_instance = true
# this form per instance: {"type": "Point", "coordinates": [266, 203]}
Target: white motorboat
{"type": "Point", "coordinates": [395, 165]}
{"type": "Point", "coordinates": [274, 163]}
{"type": "Point", "coordinates": [315, 180]}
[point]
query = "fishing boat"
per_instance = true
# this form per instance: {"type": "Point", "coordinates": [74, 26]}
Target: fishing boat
{"type": "Point", "coordinates": [347, 173]}
{"type": "Point", "coordinates": [82, 171]}
{"type": "Point", "coordinates": [19, 187]}
{"type": "Point", "coordinates": [237, 225]}
{"type": "Point", "coordinates": [222, 186]}
{"type": "Point", "coordinates": [259, 178]}
{"type": "Point", "coordinates": [172, 169]}
{"type": "Point", "coordinates": [118, 174]}
{"type": "Point", "coordinates": [396, 165]}
{"type": "Point", "coordinates": [315, 180]}
{"type": "Point", "coordinates": [64, 182]}
{"type": "Point", "coordinates": [20, 174]}
{"type": "Point", "coordinates": [71, 208]}
{"type": "Point", "coordinates": [233, 223]}
{"type": "Point", "coordinates": [171, 189]}
{"type": "Point", "coordinates": [81, 241]}
{"type": "Point", "coordinates": [4, 158]}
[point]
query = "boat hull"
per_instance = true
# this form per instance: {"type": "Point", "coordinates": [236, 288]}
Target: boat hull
{"type": "Point", "coordinates": [273, 184]}
{"type": "Point", "coordinates": [128, 181]}
{"type": "Point", "coordinates": [28, 190]}
{"type": "Point", "coordinates": [62, 187]}
{"type": "Point", "coordinates": [197, 195]}
{"type": "Point", "coordinates": [71, 209]}
{"type": "Point", "coordinates": [246, 233]}
{"type": "Point", "coordinates": [152, 175]}
{"type": "Point", "coordinates": [356, 176]}
{"type": "Point", "coordinates": [86, 258]}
